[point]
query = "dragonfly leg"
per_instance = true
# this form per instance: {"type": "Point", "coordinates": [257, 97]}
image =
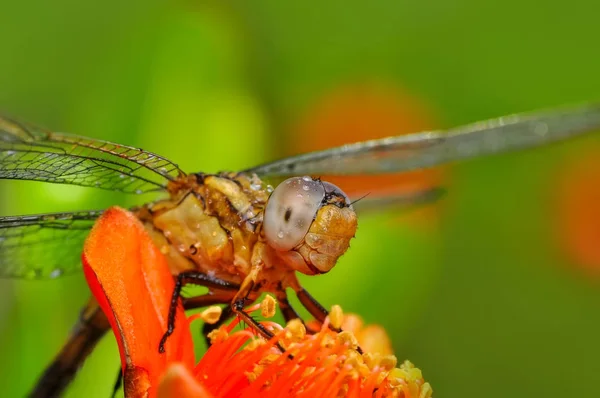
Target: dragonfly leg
{"type": "Point", "coordinates": [289, 313]}
{"type": "Point", "coordinates": [196, 278]}
{"type": "Point", "coordinates": [239, 302]}
{"type": "Point", "coordinates": [241, 299]}
{"type": "Point", "coordinates": [212, 298]}
{"type": "Point", "coordinates": [90, 327]}
{"type": "Point", "coordinates": [206, 300]}
{"type": "Point", "coordinates": [313, 306]}
{"type": "Point", "coordinates": [316, 309]}
{"type": "Point", "coordinates": [118, 383]}
{"type": "Point", "coordinates": [287, 310]}
{"type": "Point", "coordinates": [238, 308]}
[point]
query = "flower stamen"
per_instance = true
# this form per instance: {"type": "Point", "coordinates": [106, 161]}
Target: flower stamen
{"type": "Point", "coordinates": [268, 306]}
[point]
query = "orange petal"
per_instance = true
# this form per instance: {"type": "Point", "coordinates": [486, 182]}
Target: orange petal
{"type": "Point", "coordinates": [180, 383]}
{"type": "Point", "coordinates": [131, 280]}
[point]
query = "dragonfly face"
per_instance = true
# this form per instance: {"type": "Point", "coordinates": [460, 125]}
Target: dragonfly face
{"type": "Point", "coordinates": [304, 226]}
{"type": "Point", "coordinates": [309, 223]}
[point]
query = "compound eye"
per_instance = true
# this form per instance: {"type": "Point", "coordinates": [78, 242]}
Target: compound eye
{"type": "Point", "coordinates": [291, 210]}
{"type": "Point", "coordinates": [331, 189]}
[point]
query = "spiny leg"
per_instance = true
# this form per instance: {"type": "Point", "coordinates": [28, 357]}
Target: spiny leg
{"type": "Point", "coordinates": [240, 300]}
{"type": "Point", "coordinates": [238, 308]}
{"type": "Point", "coordinates": [208, 299]}
{"type": "Point", "coordinates": [313, 306]}
{"type": "Point", "coordinates": [118, 383]}
{"type": "Point", "coordinates": [192, 277]}
{"type": "Point", "coordinates": [289, 313]}
{"type": "Point", "coordinates": [90, 327]}
{"type": "Point", "coordinates": [287, 310]}
{"type": "Point", "coordinates": [212, 298]}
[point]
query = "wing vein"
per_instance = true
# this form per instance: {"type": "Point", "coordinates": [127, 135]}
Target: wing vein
{"type": "Point", "coordinates": [29, 153]}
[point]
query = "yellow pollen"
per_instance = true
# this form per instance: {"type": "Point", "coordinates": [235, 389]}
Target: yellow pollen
{"type": "Point", "coordinates": [371, 359]}
{"type": "Point", "coordinates": [269, 358]}
{"type": "Point", "coordinates": [354, 359]}
{"type": "Point", "coordinates": [343, 391]}
{"type": "Point", "coordinates": [218, 335]}
{"type": "Point", "coordinates": [328, 341]}
{"type": "Point", "coordinates": [296, 330]}
{"type": "Point", "coordinates": [388, 362]}
{"type": "Point", "coordinates": [211, 314]}
{"type": "Point", "coordinates": [268, 306]}
{"type": "Point", "coordinates": [252, 376]}
{"type": "Point", "coordinates": [254, 344]}
{"type": "Point", "coordinates": [426, 390]}
{"type": "Point", "coordinates": [256, 371]}
{"type": "Point", "coordinates": [354, 374]}
{"type": "Point", "coordinates": [349, 339]}
{"type": "Point", "coordinates": [336, 316]}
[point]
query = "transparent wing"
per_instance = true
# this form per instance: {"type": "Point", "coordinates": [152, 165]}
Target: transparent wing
{"type": "Point", "coordinates": [44, 245]}
{"type": "Point", "coordinates": [421, 150]}
{"type": "Point", "coordinates": [29, 153]}
{"type": "Point", "coordinates": [405, 201]}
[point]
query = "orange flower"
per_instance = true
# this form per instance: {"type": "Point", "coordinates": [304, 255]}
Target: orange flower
{"type": "Point", "coordinates": [131, 280]}
{"type": "Point", "coordinates": [578, 214]}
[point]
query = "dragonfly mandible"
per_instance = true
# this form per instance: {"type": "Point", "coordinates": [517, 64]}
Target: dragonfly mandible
{"type": "Point", "coordinates": [230, 231]}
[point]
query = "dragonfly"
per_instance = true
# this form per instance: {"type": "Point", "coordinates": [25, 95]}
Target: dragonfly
{"type": "Point", "coordinates": [231, 231]}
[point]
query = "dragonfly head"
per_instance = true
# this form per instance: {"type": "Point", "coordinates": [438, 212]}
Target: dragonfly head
{"type": "Point", "coordinates": [309, 223]}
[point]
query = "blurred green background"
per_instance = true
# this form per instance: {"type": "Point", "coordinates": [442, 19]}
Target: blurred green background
{"type": "Point", "coordinates": [483, 295]}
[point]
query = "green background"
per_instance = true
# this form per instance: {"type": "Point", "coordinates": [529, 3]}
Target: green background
{"type": "Point", "coordinates": [486, 305]}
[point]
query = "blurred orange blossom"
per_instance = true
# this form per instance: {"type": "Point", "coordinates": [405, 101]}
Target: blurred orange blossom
{"type": "Point", "coordinates": [578, 213]}
{"type": "Point", "coordinates": [364, 111]}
